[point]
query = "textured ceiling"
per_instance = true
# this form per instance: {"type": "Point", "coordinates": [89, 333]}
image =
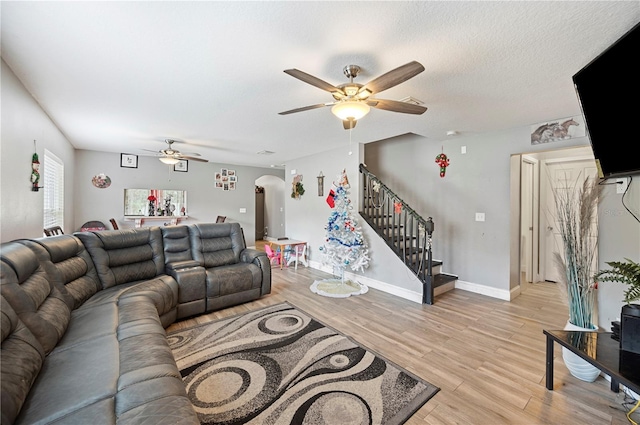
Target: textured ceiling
{"type": "Point", "coordinates": [124, 76]}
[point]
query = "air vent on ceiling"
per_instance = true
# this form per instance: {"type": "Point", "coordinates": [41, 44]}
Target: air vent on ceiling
{"type": "Point", "coordinates": [412, 100]}
{"type": "Point", "coordinates": [265, 153]}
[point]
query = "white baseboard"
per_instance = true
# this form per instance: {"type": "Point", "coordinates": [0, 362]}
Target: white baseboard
{"type": "Point", "coordinates": [416, 297]}
{"type": "Point", "coordinates": [489, 291]}
{"type": "Point", "coordinates": [404, 293]}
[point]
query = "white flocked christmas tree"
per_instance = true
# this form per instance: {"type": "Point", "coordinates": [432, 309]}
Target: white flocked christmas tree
{"type": "Point", "coordinates": [344, 245]}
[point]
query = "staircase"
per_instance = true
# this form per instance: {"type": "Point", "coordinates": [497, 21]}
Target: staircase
{"type": "Point", "coordinates": [407, 234]}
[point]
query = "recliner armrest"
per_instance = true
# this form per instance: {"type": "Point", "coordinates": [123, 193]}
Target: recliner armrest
{"type": "Point", "coordinates": [177, 265]}
{"type": "Point", "coordinates": [249, 255]}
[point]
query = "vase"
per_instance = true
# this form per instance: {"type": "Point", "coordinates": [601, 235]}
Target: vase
{"type": "Point", "coordinates": [576, 365]}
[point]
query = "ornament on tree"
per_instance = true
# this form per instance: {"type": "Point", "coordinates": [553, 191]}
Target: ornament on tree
{"type": "Point", "coordinates": [443, 162]}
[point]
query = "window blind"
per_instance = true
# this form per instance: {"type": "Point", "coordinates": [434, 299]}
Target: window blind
{"type": "Point", "coordinates": [53, 190]}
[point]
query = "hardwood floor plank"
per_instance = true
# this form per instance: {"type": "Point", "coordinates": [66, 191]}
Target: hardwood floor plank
{"type": "Point", "coordinates": [486, 355]}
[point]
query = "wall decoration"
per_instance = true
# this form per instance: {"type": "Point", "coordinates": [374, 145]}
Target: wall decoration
{"type": "Point", "coordinates": [226, 179]}
{"type": "Point", "coordinates": [560, 129]}
{"type": "Point", "coordinates": [443, 163]}
{"type": "Point", "coordinates": [101, 181]}
{"type": "Point", "coordinates": [297, 190]}
{"type": "Point", "coordinates": [128, 160]}
{"type": "Point", "coordinates": [35, 170]}
{"type": "Point", "coordinates": [182, 166]}
{"type": "Point", "coordinates": [320, 184]}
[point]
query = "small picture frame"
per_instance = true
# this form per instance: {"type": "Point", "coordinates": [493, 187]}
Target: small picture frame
{"type": "Point", "coordinates": [223, 171]}
{"type": "Point", "coordinates": [233, 178]}
{"type": "Point", "coordinates": [225, 186]}
{"type": "Point", "coordinates": [128, 160]}
{"type": "Point", "coordinates": [218, 185]}
{"type": "Point", "coordinates": [218, 177]}
{"type": "Point", "coordinates": [232, 185]}
{"type": "Point", "coordinates": [231, 173]}
{"type": "Point", "coordinates": [181, 166]}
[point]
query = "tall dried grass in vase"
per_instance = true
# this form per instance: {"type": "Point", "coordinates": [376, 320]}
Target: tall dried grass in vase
{"type": "Point", "coordinates": [575, 210]}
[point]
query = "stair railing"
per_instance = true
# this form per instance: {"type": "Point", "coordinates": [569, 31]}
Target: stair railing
{"type": "Point", "coordinates": [404, 230]}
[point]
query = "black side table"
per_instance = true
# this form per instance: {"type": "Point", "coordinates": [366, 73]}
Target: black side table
{"type": "Point", "coordinates": [599, 349]}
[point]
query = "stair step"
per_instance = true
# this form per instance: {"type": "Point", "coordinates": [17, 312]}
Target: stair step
{"type": "Point", "coordinates": [443, 278]}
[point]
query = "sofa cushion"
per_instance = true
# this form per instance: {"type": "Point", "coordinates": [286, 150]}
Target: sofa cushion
{"type": "Point", "coordinates": [68, 265]}
{"type": "Point", "coordinates": [177, 248]}
{"type": "Point", "coordinates": [42, 306]}
{"type": "Point", "coordinates": [22, 357]}
{"type": "Point", "coordinates": [216, 244]}
{"type": "Point", "coordinates": [123, 256]}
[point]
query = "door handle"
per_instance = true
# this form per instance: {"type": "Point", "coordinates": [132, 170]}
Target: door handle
{"type": "Point", "coordinates": [549, 228]}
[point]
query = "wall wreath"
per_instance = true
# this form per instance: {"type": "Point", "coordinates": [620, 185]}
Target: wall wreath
{"type": "Point", "coordinates": [297, 190]}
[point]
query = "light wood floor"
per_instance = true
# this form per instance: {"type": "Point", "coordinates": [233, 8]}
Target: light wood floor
{"type": "Point", "coordinates": [486, 355]}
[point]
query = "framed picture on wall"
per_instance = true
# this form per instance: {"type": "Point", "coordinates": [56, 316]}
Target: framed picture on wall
{"type": "Point", "coordinates": [128, 160]}
{"type": "Point", "coordinates": [182, 166]}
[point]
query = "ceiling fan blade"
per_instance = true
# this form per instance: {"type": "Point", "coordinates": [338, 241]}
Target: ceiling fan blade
{"type": "Point", "coordinates": [349, 124]}
{"type": "Point", "coordinates": [393, 77]}
{"type": "Point", "coordinates": [305, 108]}
{"type": "Point", "coordinates": [149, 150]}
{"type": "Point", "coordinates": [314, 81]}
{"type": "Point", "coordinates": [193, 158]}
{"type": "Point", "coordinates": [396, 106]}
{"type": "Point", "coordinates": [190, 154]}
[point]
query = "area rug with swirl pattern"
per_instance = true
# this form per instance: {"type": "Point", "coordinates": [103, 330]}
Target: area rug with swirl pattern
{"type": "Point", "coordinates": [279, 365]}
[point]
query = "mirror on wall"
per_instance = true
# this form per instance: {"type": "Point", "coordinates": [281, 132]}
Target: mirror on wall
{"type": "Point", "coordinates": [154, 202]}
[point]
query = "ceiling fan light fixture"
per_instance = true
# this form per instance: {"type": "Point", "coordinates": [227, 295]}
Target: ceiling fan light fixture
{"type": "Point", "coordinates": [169, 160]}
{"type": "Point", "coordinates": [350, 109]}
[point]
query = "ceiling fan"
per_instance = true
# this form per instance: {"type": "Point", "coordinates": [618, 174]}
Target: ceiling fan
{"type": "Point", "coordinates": [172, 156]}
{"type": "Point", "coordinates": [353, 100]}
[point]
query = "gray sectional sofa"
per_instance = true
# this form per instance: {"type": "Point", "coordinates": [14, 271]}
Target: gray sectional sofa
{"type": "Point", "coordinates": [84, 318]}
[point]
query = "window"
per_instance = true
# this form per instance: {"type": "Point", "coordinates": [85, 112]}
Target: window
{"type": "Point", "coordinates": [53, 190]}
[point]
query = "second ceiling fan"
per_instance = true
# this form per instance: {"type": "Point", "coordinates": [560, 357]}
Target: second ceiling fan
{"type": "Point", "coordinates": [353, 100]}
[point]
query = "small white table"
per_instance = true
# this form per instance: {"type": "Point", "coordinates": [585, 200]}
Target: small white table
{"type": "Point", "coordinates": [285, 242]}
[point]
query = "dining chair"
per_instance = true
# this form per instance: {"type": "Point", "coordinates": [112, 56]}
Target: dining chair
{"type": "Point", "coordinates": [272, 255]}
{"type": "Point", "coordinates": [221, 219]}
{"type": "Point", "coordinates": [298, 254]}
{"type": "Point", "coordinates": [52, 231]}
{"type": "Point", "coordinates": [113, 223]}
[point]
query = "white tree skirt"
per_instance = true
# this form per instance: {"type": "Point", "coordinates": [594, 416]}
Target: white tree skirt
{"type": "Point", "coordinates": [336, 288]}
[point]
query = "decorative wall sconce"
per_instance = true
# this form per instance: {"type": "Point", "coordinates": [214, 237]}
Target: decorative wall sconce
{"type": "Point", "coordinates": [320, 184]}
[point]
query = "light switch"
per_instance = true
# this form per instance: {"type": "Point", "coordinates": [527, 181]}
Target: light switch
{"type": "Point", "coordinates": [479, 216]}
{"type": "Point", "coordinates": [463, 149]}
{"type": "Point", "coordinates": [243, 210]}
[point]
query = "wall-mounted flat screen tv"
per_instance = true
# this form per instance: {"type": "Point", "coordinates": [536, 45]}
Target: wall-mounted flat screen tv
{"type": "Point", "coordinates": [608, 90]}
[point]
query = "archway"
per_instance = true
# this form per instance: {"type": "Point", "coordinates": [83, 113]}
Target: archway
{"type": "Point", "coordinates": [269, 207]}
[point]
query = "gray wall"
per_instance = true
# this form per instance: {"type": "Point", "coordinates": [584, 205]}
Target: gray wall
{"type": "Point", "coordinates": [204, 201]}
{"type": "Point", "coordinates": [479, 181]}
{"type": "Point", "coordinates": [23, 121]}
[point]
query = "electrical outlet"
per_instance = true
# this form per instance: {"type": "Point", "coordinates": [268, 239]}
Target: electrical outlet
{"type": "Point", "coordinates": [479, 216]}
{"type": "Point", "coordinates": [621, 185]}
{"type": "Point", "coordinates": [463, 150]}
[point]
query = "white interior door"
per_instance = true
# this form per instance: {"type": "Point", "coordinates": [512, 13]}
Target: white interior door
{"type": "Point", "coordinates": [526, 224]}
{"type": "Point", "coordinates": [560, 176]}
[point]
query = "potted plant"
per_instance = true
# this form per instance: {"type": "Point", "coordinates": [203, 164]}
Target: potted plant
{"type": "Point", "coordinates": [627, 272]}
{"type": "Point", "coordinates": [575, 215]}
